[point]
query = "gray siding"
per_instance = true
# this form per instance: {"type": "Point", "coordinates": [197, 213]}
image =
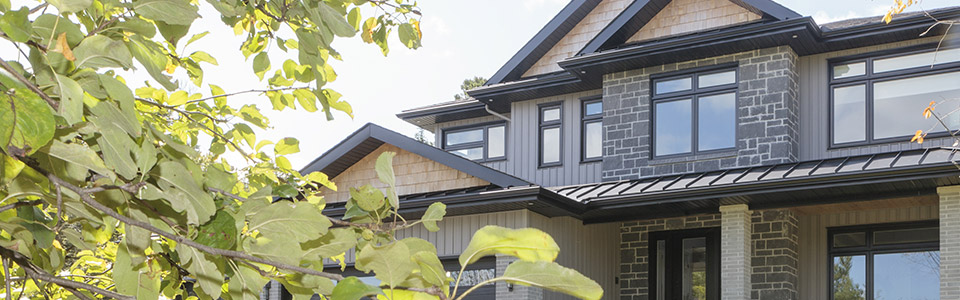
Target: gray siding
{"type": "Point", "coordinates": [814, 281]}
{"type": "Point", "coordinates": [814, 108]}
{"type": "Point", "coordinates": [523, 146]}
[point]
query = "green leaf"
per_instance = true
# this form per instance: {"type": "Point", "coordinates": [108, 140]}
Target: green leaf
{"type": "Point", "coordinates": [287, 146]}
{"type": "Point", "coordinates": [431, 269]}
{"type": "Point", "coordinates": [138, 26]}
{"type": "Point", "coordinates": [274, 247]}
{"type": "Point", "coordinates": [71, 99]}
{"type": "Point", "coordinates": [354, 18]}
{"type": "Point", "coordinates": [175, 12]}
{"type": "Point", "coordinates": [108, 114]}
{"type": "Point", "coordinates": [246, 283]}
{"type": "Point", "coordinates": [409, 36]}
{"type": "Point", "coordinates": [384, 169]}
{"type": "Point", "coordinates": [183, 193]}
{"type": "Point", "coordinates": [300, 221]}
{"type": "Point", "coordinates": [148, 53]}
{"type": "Point", "coordinates": [16, 25]}
{"type": "Point", "coordinates": [99, 51]}
{"type": "Point", "coordinates": [336, 241]}
{"type": "Point", "coordinates": [527, 244]}
{"type": "Point", "coordinates": [204, 57]}
{"type": "Point", "coordinates": [351, 288]}
{"type": "Point", "coordinates": [261, 64]}
{"type": "Point", "coordinates": [218, 178]}
{"type": "Point", "coordinates": [335, 21]}
{"type": "Point", "coordinates": [196, 37]}
{"type": "Point", "coordinates": [306, 99]}
{"type": "Point", "coordinates": [251, 113]}
{"type": "Point", "coordinates": [221, 232]}
{"type": "Point", "coordinates": [26, 122]}
{"type": "Point", "coordinates": [434, 214]}
{"type": "Point", "coordinates": [70, 6]}
{"type": "Point", "coordinates": [202, 269]}
{"type": "Point", "coordinates": [554, 277]}
{"type": "Point", "coordinates": [118, 149]}
{"type": "Point", "coordinates": [80, 155]}
{"type": "Point", "coordinates": [139, 280]}
{"type": "Point", "coordinates": [44, 25]}
{"type": "Point", "coordinates": [172, 32]}
{"type": "Point", "coordinates": [390, 263]}
{"type": "Point", "coordinates": [368, 197]}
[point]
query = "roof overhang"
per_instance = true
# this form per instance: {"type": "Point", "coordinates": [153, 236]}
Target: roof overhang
{"type": "Point", "coordinates": [453, 111]}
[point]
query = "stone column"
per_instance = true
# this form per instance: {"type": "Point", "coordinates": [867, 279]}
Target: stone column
{"type": "Point", "coordinates": [506, 291]}
{"type": "Point", "coordinates": [735, 237]}
{"type": "Point", "coordinates": [949, 241]}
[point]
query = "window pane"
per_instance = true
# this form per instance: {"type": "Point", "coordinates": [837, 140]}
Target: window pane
{"type": "Point", "coordinates": [907, 276]}
{"type": "Point", "coordinates": [463, 137]}
{"type": "Point", "coordinates": [673, 124]}
{"type": "Point", "coordinates": [916, 60]}
{"type": "Point", "coordinates": [551, 145]}
{"type": "Point", "coordinates": [849, 70]}
{"type": "Point", "coordinates": [716, 127]}
{"type": "Point", "coordinates": [715, 79]}
{"type": "Point", "coordinates": [695, 268]}
{"type": "Point", "coordinates": [551, 114]}
{"type": "Point", "coordinates": [853, 239]}
{"type": "Point", "coordinates": [673, 85]}
{"type": "Point", "coordinates": [495, 141]}
{"type": "Point", "coordinates": [593, 108]}
{"type": "Point", "coordinates": [849, 114]}
{"type": "Point", "coordinates": [470, 153]}
{"type": "Point", "coordinates": [849, 277]}
{"type": "Point", "coordinates": [593, 139]}
{"type": "Point", "coordinates": [898, 104]}
{"type": "Point", "coordinates": [902, 236]}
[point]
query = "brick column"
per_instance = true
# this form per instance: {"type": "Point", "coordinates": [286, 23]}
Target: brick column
{"type": "Point", "coordinates": [735, 252]}
{"type": "Point", "coordinates": [949, 242]}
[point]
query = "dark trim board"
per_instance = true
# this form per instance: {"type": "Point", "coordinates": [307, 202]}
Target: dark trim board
{"type": "Point", "coordinates": [366, 139]}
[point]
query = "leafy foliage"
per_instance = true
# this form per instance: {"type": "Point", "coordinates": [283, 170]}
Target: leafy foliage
{"type": "Point", "coordinates": [469, 84]}
{"type": "Point", "coordinates": [106, 181]}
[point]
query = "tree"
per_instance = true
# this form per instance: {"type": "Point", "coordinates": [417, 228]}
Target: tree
{"type": "Point", "coordinates": [421, 136]}
{"type": "Point", "coordinates": [106, 192]}
{"type": "Point", "coordinates": [844, 288]}
{"type": "Point", "coordinates": [469, 84]}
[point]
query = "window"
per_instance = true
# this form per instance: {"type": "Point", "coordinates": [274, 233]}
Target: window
{"type": "Point", "coordinates": [550, 134]}
{"type": "Point", "coordinates": [898, 261]}
{"type": "Point", "coordinates": [478, 143]}
{"type": "Point", "coordinates": [591, 130]}
{"type": "Point", "coordinates": [880, 98]}
{"type": "Point", "coordinates": [695, 112]}
{"type": "Point", "coordinates": [685, 264]}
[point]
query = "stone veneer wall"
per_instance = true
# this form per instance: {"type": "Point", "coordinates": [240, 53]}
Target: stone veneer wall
{"type": "Point", "coordinates": [773, 260]}
{"type": "Point", "coordinates": [768, 113]}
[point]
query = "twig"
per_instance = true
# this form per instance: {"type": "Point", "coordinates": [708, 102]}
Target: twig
{"type": "Point", "coordinates": [6, 273]}
{"type": "Point", "coordinates": [19, 204]}
{"type": "Point", "coordinates": [56, 228]}
{"type": "Point", "coordinates": [247, 92]}
{"type": "Point", "coordinates": [103, 25]}
{"type": "Point", "coordinates": [387, 3]}
{"type": "Point", "coordinates": [163, 218]}
{"type": "Point", "coordinates": [182, 112]}
{"type": "Point", "coordinates": [39, 7]}
{"type": "Point", "coordinates": [30, 85]}
{"type": "Point", "coordinates": [212, 131]}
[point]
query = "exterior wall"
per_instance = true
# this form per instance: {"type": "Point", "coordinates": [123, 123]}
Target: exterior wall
{"type": "Point", "coordinates": [686, 16]}
{"type": "Point", "coordinates": [578, 37]}
{"type": "Point", "coordinates": [815, 101]}
{"type": "Point", "coordinates": [768, 115]}
{"type": "Point", "coordinates": [775, 254]}
{"type": "Point", "coordinates": [414, 173]}
{"type": "Point", "coordinates": [813, 262]}
{"type": "Point", "coordinates": [523, 146]}
{"type": "Point", "coordinates": [949, 205]}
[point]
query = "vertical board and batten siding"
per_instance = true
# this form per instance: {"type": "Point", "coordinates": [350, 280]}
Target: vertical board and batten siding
{"type": "Point", "coordinates": [593, 250]}
{"type": "Point", "coordinates": [813, 274]}
{"type": "Point", "coordinates": [815, 111]}
{"type": "Point", "coordinates": [523, 148]}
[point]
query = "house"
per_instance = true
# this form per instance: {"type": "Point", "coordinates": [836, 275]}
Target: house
{"type": "Point", "coordinates": [700, 149]}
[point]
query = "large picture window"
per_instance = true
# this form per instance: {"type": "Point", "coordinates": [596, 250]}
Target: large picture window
{"type": "Point", "coordinates": [695, 112]}
{"type": "Point", "coordinates": [591, 131]}
{"type": "Point", "coordinates": [899, 261]}
{"type": "Point", "coordinates": [551, 132]}
{"type": "Point", "coordinates": [880, 98]}
{"type": "Point", "coordinates": [479, 143]}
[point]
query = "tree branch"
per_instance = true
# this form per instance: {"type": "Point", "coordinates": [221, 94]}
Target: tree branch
{"type": "Point", "coordinates": [247, 92]}
{"type": "Point", "coordinates": [19, 204]}
{"type": "Point", "coordinates": [30, 85]}
{"type": "Point", "coordinates": [33, 271]}
{"type": "Point", "coordinates": [7, 277]}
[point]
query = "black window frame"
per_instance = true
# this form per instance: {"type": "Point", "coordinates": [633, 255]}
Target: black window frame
{"type": "Point", "coordinates": [694, 94]}
{"type": "Point", "coordinates": [483, 143]}
{"type": "Point", "coordinates": [544, 125]}
{"type": "Point", "coordinates": [712, 235]}
{"type": "Point", "coordinates": [589, 119]}
{"type": "Point", "coordinates": [868, 79]}
{"type": "Point", "coordinates": [868, 250]}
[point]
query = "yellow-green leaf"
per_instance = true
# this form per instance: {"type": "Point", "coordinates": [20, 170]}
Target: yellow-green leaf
{"type": "Point", "coordinates": [527, 244]}
{"type": "Point", "coordinates": [554, 277]}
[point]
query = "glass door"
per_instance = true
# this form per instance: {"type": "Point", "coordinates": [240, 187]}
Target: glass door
{"type": "Point", "coordinates": [684, 264]}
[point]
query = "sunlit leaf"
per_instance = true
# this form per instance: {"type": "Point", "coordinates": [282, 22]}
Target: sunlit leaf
{"type": "Point", "coordinates": [527, 244]}
{"type": "Point", "coordinates": [552, 276]}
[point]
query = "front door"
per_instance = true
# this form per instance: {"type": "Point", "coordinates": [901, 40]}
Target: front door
{"type": "Point", "coordinates": [685, 264]}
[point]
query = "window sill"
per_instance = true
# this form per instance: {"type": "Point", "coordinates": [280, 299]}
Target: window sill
{"type": "Point", "coordinates": [693, 157]}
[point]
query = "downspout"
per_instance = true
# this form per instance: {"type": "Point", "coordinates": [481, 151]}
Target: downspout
{"type": "Point", "coordinates": [487, 107]}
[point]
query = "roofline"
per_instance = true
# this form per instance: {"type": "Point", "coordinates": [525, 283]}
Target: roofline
{"type": "Point", "coordinates": [374, 131]}
{"type": "Point", "coordinates": [546, 38]}
{"type": "Point", "coordinates": [773, 9]}
{"type": "Point", "coordinates": [445, 109]}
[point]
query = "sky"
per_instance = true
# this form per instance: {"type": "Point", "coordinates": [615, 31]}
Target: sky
{"type": "Point", "coordinates": [461, 39]}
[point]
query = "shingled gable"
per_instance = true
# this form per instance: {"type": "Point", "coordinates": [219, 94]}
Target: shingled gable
{"type": "Point", "coordinates": [371, 137]}
{"type": "Point", "coordinates": [587, 17]}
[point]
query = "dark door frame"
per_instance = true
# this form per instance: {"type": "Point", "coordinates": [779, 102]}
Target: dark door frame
{"type": "Point", "coordinates": [674, 243]}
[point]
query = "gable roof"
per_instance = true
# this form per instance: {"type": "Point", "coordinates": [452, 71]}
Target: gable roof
{"type": "Point", "coordinates": [371, 136]}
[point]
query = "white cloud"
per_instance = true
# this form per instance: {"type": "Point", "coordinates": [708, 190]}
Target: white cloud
{"type": "Point", "coordinates": [823, 17]}
{"type": "Point", "coordinates": [532, 4]}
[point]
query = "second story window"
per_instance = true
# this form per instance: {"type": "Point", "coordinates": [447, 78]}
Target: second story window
{"type": "Point", "coordinates": [880, 98]}
{"type": "Point", "coordinates": [592, 129]}
{"type": "Point", "coordinates": [480, 143]}
{"type": "Point", "coordinates": [695, 112]}
{"type": "Point", "coordinates": [550, 134]}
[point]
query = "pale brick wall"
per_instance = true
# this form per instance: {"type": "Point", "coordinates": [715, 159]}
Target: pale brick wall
{"type": "Point", "coordinates": [735, 252]}
{"type": "Point", "coordinates": [687, 16]}
{"type": "Point", "coordinates": [578, 37]}
{"type": "Point", "coordinates": [949, 242]}
{"type": "Point", "coordinates": [414, 174]}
